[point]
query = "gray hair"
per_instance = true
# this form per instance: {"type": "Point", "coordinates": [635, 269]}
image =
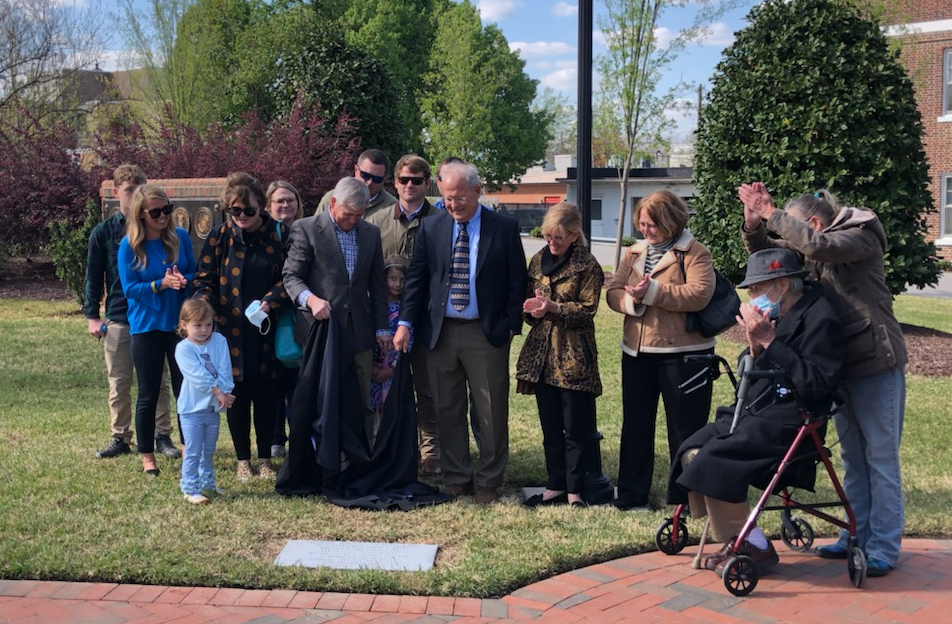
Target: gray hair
{"type": "Point", "coordinates": [794, 284]}
{"type": "Point", "coordinates": [822, 204]}
{"type": "Point", "coordinates": [352, 193]}
{"type": "Point", "coordinates": [465, 170]}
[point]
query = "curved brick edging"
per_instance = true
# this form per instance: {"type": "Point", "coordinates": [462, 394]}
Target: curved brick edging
{"type": "Point", "coordinates": [642, 588]}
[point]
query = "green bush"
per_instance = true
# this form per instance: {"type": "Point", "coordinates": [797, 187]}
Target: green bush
{"type": "Point", "coordinates": [810, 96]}
{"type": "Point", "coordinates": [536, 232]}
{"type": "Point", "coordinates": [68, 247]}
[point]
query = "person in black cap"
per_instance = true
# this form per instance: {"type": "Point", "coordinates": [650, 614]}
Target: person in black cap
{"type": "Point", "coordinates": [791, 326]}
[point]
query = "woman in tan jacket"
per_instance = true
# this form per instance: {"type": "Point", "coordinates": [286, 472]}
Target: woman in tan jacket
{"type": "Point", "coordinates": [661, 279]}
{"type": "Point", "coordinates": [559, 359]}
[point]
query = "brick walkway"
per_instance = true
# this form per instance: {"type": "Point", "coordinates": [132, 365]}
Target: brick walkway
{"type": "Point", "coordinates": [644, 588]}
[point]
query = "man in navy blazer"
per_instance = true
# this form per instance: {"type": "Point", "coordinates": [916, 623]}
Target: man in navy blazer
{"type": "Point", "coordinates": [469, 343]}
{"type": "Point", "coordinates": [335, 266]}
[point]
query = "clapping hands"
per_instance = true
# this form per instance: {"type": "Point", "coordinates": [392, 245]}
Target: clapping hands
{"type": "Point", "coordinates": [174, 279]}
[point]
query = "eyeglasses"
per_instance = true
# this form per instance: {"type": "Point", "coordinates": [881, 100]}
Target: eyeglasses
{"type": "Point", "coordinates": [369, 176]}
{"type": "Point", "coordinates": [155, 213]}
{"type": "Point", "coordinates": [758, 289]}
{"type": "Point", "coordinates": [237, 210]}
{"type": "Point", "coordinates": [284, 200]}
{"type": "Point", "coordinates": [414, 180]}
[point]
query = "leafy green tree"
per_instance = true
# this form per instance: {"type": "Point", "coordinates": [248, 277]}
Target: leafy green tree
{"type": "Point", "coordinates": [630, 108]}
{"type": "Point", "coordinates": [477, 99]}
{"type": "Point", "coordinates": [209, 45]}
{"type": "Point", "coordinates": [810, 96]}
{"type": "Point", "coordinates": [398, 33]}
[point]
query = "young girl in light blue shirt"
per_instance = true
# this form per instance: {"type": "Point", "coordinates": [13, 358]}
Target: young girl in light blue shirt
{"type": "Point", "coordinates": [207, 383]}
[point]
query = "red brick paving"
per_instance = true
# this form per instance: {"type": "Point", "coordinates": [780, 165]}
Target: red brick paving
{"type": "Point", "coordinates": [643, 588]}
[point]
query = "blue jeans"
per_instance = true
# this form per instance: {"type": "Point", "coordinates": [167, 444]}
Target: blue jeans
{"type": "Point", "coordinates": [201, 437]}
{"type": "Point", "coordinates": [869, 428]}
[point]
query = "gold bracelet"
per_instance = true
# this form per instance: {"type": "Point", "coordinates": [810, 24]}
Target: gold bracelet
{"type": "Point", "coordinates": [154, 289]}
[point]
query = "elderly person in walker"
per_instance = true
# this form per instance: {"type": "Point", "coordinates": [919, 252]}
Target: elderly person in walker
{"type": "Point", "coordinates": [790, 327]}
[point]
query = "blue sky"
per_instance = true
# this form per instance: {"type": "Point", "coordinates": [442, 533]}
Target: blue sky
{"type": "Point", "coordinates": [545, 34]}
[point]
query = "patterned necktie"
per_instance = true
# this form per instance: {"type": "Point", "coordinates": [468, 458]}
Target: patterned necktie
{"type": "Point", "coordinates": [459, 277]}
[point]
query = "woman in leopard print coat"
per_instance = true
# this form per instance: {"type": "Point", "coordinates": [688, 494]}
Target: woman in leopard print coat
{"type": "Point", "coordinates": [559, 359]}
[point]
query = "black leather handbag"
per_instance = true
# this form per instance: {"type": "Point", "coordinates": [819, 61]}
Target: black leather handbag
{"type": "Point", "coordinates": [720, 313]}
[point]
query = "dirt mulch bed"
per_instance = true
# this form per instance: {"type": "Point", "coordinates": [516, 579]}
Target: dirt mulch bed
{"type": "Point", "coordinates": [930, 350]}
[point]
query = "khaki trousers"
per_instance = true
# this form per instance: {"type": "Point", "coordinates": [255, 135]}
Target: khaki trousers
{"type": "Point", "coordinates": [462, 356]}
{"type": "Point", "coordinates": [120, 373]}
{"type": "Point", "coordinates": [727, 519]}
{"type": "Point", "coordinates": [427, 425]}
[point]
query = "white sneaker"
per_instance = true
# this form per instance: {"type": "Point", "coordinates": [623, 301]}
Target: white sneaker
{"type": "Point", "coordinates": [197, 499]}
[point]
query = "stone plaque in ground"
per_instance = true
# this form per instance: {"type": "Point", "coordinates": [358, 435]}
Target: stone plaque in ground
{"type": "Point", "coordinates": [358, 555]}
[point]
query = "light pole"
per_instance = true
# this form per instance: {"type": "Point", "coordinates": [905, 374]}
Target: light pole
{"type": "Point", "coordinates": [583, 177]}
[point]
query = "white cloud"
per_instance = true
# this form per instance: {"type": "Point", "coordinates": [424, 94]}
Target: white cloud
{"type": "Point", "coordinates": [112, 60]}
{"type": "Point", "coordinates": [564, 9]}
{"type": "Point", "coordinates": [718, 35]}
{"type": "Point", "coordinates": [663, 37]}
{"type": "Point", "coordinates": [496, 10]}
{"type": "Point", "coordinates": [565, 79]}
{"type": "Point", "coordinates": [550, 65]}
{"type": "Point", "coordinates": [537, 49]}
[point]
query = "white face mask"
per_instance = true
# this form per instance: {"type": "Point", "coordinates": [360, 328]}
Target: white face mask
{"type": "Point", "coordinates": [258, 317]}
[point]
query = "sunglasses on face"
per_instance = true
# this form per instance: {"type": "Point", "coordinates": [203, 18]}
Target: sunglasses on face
{"type": "Point", "coordinates": [155, 213]}
{"type": "Point", "coordinates": [370, 177]}
{"type": "Point", "coordinates": [414, 180]}
{"type": "Point", "coordinates": [237, 210]}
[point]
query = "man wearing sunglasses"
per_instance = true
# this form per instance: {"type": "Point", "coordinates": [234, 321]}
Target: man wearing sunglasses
{"type": "Point", "coordinates": [398, 232]}
{"type": "Point", "coordinates": [371, 168]}
{"type": "Point", "coordinates": [102, 273]}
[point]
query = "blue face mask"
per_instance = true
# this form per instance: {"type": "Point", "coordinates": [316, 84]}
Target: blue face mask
{"type": "Point", "coordinates": [764, 304]}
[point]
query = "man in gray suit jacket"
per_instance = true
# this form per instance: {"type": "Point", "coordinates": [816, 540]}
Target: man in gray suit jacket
{"type": "Point", "coordinates": [335, 267]}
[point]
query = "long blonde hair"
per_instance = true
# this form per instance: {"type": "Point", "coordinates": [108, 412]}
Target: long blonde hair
{"type": "Point", "coordinates": [135, 228]}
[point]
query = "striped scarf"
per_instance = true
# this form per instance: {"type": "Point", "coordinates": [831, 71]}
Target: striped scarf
{"type": "Point", "coordinates": [655, 252]}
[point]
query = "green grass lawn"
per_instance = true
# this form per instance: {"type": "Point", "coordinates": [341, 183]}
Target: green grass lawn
{"type": "Point", "coordinates": [66, 515]}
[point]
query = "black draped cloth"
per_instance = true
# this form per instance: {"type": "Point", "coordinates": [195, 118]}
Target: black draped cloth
{"type": "Point", "coordinates": [328, 450]}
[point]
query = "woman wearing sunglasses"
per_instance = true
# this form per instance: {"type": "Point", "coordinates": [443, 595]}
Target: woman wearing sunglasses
{"type": "Point", "coordinates": [156, 265]}
{"type": "Point", "coordinates": [239, 273]}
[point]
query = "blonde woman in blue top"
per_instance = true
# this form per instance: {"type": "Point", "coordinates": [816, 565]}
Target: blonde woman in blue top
{"type": "Point", "coordinates": [205, 363]}
{"type": "Point", "coordinates": [156, 265]}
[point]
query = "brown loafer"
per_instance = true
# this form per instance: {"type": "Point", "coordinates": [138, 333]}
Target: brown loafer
{"type": "Point", "coordinates": [763, 559]}
{"type": "Point", "coordinates": [485, 496]}
{"type": "Point", "coordinates": [712, 561]}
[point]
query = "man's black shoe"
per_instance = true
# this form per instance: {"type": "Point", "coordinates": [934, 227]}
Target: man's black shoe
{"type": "Point", "coordinates": [163, 444]}
{"type": "Point", "coordinates": [116, 447]}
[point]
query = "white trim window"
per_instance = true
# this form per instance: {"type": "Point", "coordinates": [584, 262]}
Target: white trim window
{"type": "Point", "coordinates": [945, 210]}
{"type": "Point", "coordinates": [947, 84]}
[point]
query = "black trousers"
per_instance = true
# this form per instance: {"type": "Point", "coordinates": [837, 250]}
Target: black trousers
{"type": "Point", "coordinates": [644, 378]}
{"type": "Point", "coordinates": [260, 392]}
{"type": "Point", "coordinates": [149, 350]}
{"type": "Point", "coordinates": [287, 382]}
{"type": "Point", "coordinates": [568, 426]}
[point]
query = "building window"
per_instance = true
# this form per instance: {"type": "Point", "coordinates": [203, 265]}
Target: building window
{"type": "Point", "coordinates": [947, 82]}
{"type": "Point", "coordinates": [945, 209]}
{"type": "Point", "coordinates": [596, 210]}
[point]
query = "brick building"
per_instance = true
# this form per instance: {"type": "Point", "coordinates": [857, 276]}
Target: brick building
{"type": "Point", "coordinates": [925, 29]}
